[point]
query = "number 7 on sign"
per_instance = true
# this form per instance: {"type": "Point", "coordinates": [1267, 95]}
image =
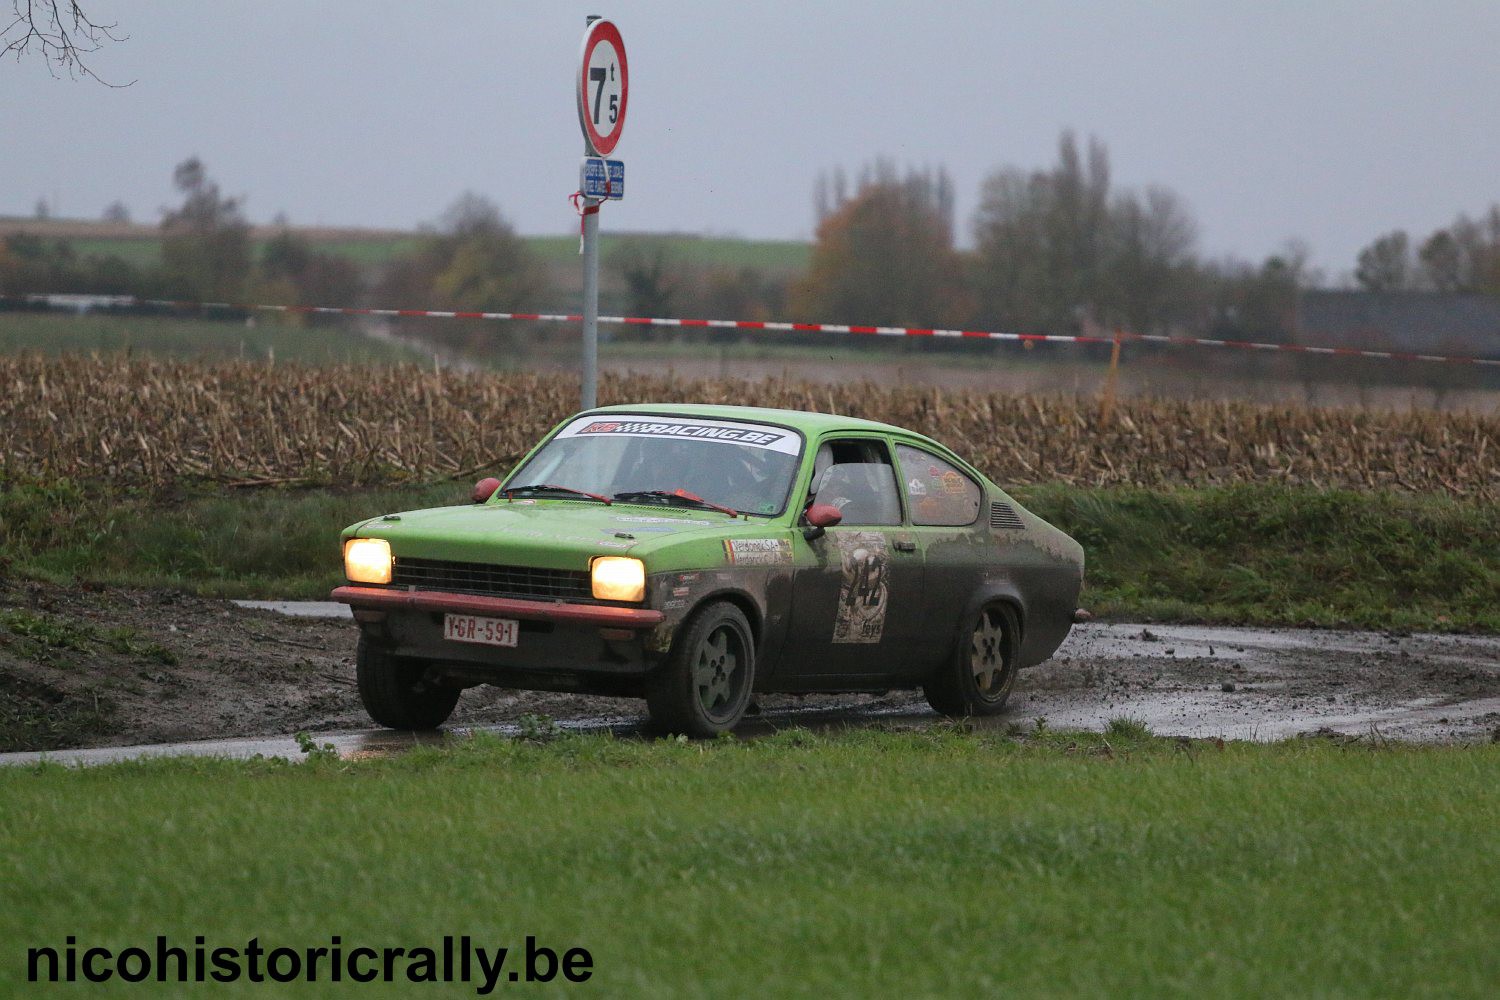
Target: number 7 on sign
{"type": "Point", "coordinates": [598, 75]}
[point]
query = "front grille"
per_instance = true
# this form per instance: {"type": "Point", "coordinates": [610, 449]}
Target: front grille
{"type": "Point", "coordinates": [492, 581]}
{"type": "Point", "coordinates": [1003, 515]}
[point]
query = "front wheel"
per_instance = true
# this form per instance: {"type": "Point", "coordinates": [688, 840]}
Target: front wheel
{"type": "Point", "coordinates": [395, 692]}
{"type": "Point", "coordinates": [978, 677]}
{"type": "Point", "coordinates": [704, 687]}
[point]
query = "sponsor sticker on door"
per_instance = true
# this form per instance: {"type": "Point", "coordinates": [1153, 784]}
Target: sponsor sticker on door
{"type": "Point", "coordinates": [865, 590]}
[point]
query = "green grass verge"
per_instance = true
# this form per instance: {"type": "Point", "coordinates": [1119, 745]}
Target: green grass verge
{"type": "Point", "coordinates": [263, 543]}
{"type": "Point", "coordinates": [193, 338]}
{"type": "Point", "coordinates": [933, 863]}
{"type": "Point", "coordinates": [1284, 555]}
{"type": "Point", "coordinates": [1259, 554]}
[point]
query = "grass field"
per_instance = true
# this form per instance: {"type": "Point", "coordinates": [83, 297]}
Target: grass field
{"type": "Point", "coordinates": [772, 256]}
{"type": "Point", "coordinates": [143, 249]}
{"type": "Point", "coordinates": [865, 863]}
{"type": "Point", "coordinates": [1250, 554]}
{"type": "Point", "coordinates": [374, 251]}
{"type": "Point", "coordinates": [192, 339]}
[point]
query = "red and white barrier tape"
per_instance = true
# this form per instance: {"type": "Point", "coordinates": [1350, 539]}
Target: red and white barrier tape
{"type": "Point", "coordinates": [585, 207]}
{"type": "Point", "coordinates": [738, 324]}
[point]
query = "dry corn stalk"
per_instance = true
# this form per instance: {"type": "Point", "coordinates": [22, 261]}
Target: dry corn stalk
{"type": "Point", "coordinates": [155, 422]}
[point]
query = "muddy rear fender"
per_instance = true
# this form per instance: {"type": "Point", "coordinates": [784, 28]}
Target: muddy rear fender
{"type": "Point", "coordinates": [998, 590]}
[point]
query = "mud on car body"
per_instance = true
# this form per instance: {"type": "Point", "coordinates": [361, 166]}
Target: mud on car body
{"type": "Point", "coordinates": [694, 555]}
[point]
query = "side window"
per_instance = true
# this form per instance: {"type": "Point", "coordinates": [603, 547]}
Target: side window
{"type": "Point", "coordinates": [937, 492]}
{"type": "Point", "coordinates": [856, 476]}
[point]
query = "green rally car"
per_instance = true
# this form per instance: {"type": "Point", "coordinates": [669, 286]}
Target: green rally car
{"type": "Point", "coordinates": [694, 555]}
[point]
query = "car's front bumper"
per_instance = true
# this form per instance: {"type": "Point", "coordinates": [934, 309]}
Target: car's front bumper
{"type": "Point", "coordinates": [563, 647]}
{"type": "Point", "coordinates": [603, 615]}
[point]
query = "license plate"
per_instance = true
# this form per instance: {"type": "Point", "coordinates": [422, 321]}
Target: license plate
{"type": "Point", "coordinates": [485, 631]}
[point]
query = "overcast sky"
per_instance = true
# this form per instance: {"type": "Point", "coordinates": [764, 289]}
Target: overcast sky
{"type": "Point", "coordinates": [1328, 121]}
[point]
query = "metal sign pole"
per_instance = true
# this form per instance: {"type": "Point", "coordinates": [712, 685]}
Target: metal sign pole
{"type": "Point", "coordinates": [590, 390]}
{"type": "Point", "coordinates": [602, 91]}
{"type": "Point", "coordinates": [590, 397]}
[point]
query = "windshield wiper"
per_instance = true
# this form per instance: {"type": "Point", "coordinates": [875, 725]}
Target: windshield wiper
{"type": "Point", "coordinates": [550, 488]}
{"type": "Point", "coordinates": [682, 495]}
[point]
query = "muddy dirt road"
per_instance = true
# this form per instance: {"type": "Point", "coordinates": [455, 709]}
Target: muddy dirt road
{"type": "Point", "coordinates": [164, 672]}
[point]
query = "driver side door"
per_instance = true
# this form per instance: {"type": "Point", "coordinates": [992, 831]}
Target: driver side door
{"type": "Point", "coordinates": [856, 609]}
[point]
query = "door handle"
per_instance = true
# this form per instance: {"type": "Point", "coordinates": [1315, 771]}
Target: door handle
{"type": "Point", "coordinates": [903, 545]}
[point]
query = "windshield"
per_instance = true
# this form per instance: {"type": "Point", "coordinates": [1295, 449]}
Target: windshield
{"type": "Point", "coordinates": [747, 467]}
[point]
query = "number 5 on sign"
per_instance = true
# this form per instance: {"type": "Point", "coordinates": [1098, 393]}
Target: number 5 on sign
{"type": "Point", "coordinates": [603, 87]}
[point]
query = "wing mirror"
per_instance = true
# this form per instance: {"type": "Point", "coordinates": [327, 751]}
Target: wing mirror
{"type": "Point", "coordinates": [820, 517]}
{"type": "Point", "coordinates": [484, 489]}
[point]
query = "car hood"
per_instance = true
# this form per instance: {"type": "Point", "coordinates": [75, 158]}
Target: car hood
{"type": "Point", "coordinates": [555, 534]}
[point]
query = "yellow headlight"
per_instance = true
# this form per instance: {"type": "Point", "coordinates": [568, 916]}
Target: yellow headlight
{"type": "Point", "coordinates": [619, 578]}
{"type": "Point", "coordinates": [367, 560]}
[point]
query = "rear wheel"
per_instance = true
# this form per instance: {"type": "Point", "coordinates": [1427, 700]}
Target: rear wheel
{"type": "Point", "coordinates": [395, 692]}
{"type": "Point", "coordinates": [978, 677]}
{"type": "Point", "coordinates": [704, 687]}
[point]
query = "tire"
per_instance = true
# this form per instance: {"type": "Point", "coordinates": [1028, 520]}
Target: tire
{"type": "Point", "coordinates": [394, 692]}
{"type": "Point", "coordinates": [979, 675]}
{"type": "Point", "coordinates": [704, 687]}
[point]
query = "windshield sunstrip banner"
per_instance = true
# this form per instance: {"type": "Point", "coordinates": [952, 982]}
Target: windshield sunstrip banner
{"type": "Point", "coordinates": [717, 431]}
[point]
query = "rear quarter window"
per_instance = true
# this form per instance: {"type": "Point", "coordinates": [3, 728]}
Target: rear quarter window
{"type": "Point", "coordinates": [938, 493]}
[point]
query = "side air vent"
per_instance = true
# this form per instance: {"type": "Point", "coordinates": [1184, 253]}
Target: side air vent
{"type": "Point", "coordinates": [1003, 515]}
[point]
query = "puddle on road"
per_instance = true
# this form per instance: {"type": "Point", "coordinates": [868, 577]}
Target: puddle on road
{"type": "Point", "coordinates": [1195, 681]}
{"type": "Point", "coordinates": [301, 609]}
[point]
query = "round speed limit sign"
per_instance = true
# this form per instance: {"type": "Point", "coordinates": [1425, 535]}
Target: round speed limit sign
{"type": "Point", "coordinates": [603, 87]}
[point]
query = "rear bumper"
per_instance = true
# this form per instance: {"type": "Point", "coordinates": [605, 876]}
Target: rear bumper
{"type": "Point", "coordinates": [379, 598]}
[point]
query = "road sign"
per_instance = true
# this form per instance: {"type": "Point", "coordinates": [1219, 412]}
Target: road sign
{"type": "Point", "coordinates": [595, 182]}
{"type": "Point", "coordinates": [603, 87]}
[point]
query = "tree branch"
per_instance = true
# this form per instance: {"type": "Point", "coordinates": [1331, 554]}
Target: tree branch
{"type": "Point", "coordinates": [61, 32]}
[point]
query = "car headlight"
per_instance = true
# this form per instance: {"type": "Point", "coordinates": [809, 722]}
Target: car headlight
{"type": "Point", "coordinates": [618, 578]}
{"type": "Point", "coordinates": [367, 560]}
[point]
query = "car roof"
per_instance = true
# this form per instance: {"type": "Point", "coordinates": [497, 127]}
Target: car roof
{"type": "Point", "coordinates": [803, 420]}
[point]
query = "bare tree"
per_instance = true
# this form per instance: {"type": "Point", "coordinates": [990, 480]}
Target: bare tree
{"type": "Point", "coordinates": [61, 32]}
{"type": "Point", "coordinates": [1385, 265]}
{"type": "Point", "coordinates": [205, 246]}
{"type": "Point", "coordinates": [885, 253]}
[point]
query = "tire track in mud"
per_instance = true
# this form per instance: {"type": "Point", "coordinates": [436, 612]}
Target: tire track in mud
{"type": "Point", "coordinates": [249, 672]}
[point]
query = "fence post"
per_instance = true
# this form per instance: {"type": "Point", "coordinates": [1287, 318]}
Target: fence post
{"type": "Point", "coordinates": [1111, 381]}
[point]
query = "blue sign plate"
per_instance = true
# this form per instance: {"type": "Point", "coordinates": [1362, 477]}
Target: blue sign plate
{"type": "Point", "coordinates": [591, 178]}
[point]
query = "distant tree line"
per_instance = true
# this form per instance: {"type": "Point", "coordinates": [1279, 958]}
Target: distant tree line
{"type": "Point", "coordinates": [1055, 250]}
{"type": "Point", "coordinates": [650, 282]}
{"type": "Point", "coordinates": [1464, 257]}
{"type": "Point", "coordinates": [207, 255]}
